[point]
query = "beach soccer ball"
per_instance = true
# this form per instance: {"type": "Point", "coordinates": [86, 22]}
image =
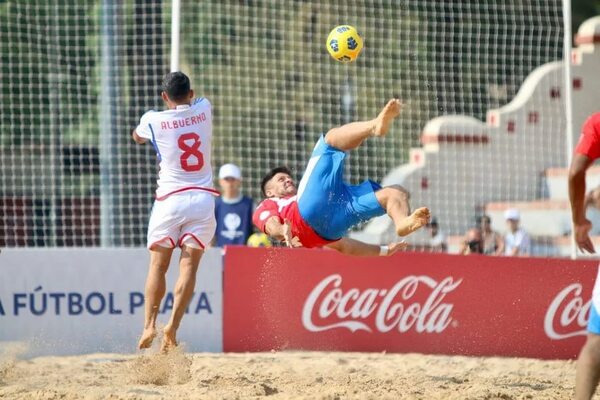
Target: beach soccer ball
{"type": "Point", "coordinates": [259, 240]}
{"type": "Point", "coordinates": [344, 43]}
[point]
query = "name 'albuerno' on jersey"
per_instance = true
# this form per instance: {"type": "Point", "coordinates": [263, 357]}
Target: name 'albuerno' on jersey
{"type": "Point", "coordinates": [182, 140]}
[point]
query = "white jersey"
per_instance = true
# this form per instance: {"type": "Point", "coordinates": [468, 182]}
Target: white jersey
{"type": "Point", "coordinates": [182, 140]}
{"type": "Point", "coordinates": [520, 239]}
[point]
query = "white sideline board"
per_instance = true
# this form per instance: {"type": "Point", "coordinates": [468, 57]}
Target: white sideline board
{"type": "Point", "coordinates": [94, 300]}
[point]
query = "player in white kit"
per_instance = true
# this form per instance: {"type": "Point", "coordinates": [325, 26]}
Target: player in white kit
{"type": "Point", "coordinates": [183, 213]}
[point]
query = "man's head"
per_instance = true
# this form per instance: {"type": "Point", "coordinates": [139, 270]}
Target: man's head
{"type": "Point", "coordinates": [278, 183]}
{"type": "Point", "coordinates": [230, 181]}
{"type": "Point", "coordinates": [512, 217]}
{"type": "Point", "coordinates": [485, 223]}
{"type": "Point", "coordinates": [474, 240]}
{"type": "Point", "coordinates": [593, 198]}
{"type": "Point", "coordinates": [176, 89]}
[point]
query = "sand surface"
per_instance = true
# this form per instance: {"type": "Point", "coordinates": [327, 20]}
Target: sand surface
{"type": "Point", "coordinates": [286, 375]}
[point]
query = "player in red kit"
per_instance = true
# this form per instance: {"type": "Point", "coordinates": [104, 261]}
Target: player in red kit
{"type": "Point", "coordinates": [323, 208]}
{"type": "Point", "coordinates": [587, 150]}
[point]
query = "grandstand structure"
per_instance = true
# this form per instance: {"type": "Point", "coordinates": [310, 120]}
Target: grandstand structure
{"type": "Point", "coordinates": [520, 148]}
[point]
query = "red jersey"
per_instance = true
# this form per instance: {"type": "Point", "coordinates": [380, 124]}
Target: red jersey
{"type": "Point", "coordinates": [287, 209]}
{"type": "Point", "coordinates": [589, 142]}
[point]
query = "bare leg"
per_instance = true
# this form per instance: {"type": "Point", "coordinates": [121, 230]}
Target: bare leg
{"type": "Point", "coordinates": [184, 290]}
{"type": "Point", "coordinates": [394, 199]}
{"type": "Point", "coordinates": [588, 368]}
{"type": "Point", "coordinates": [155, 291]}
{"type": "Point", "coordinates": [350, 136]}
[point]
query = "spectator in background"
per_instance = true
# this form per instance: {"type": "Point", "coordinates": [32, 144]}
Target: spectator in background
{"type": "Point", "coordinates": [437, 240]}
{"type": "Point", "coordinates": [516, 241]}
{"type": "Point", "coordinates": [493, 243]}
{"type": "Point", "coordinates": [593, 198]}
{"type": "Point", "coordinates": [473, 242]}
{"type": "Point", "coordinates": [592, 210]}
{"type": "Point", "coordinates": [233, 210]}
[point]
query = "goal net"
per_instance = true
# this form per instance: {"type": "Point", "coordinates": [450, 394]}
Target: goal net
{"type": "Point", "coordinates": [76, 76]}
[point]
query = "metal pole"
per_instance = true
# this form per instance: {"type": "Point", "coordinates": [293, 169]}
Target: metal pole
{"type": "Point", "coordinates": [55, 156]}
{"type": "Point", "coordinates": [57, 198]}
{"type": "Point", "coordinates": [568, 97]}
{"type": "Point", "coordinates": [107, 128]}
{"type": "Point", "coordinates": [175, 23]}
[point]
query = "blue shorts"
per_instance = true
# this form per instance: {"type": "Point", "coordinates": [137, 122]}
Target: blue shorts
{"type": "Point", "coordinates": [328, 204]}
{"type": "Point", "coordinates": [594, 321]}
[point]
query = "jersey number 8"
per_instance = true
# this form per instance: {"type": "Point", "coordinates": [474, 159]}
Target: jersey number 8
{"type": "Point", "coordinates": [191, 159]}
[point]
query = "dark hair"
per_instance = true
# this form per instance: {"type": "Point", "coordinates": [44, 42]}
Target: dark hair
{"type": "Point", "coordinates": [476, 246]}
{"type": "Point", "coordinates": [482, 218]}
{"type": "Point", "coordinates": [271, 174]}
{"type": "Point", "coordinates": [176, 85]}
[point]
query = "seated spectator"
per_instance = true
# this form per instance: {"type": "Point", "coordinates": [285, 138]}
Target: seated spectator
{"type": "Point", "coordinates": [493, 243]}
{"type": "Point", "coordinates": [233, 210]}
{"type": "Point", "coordinates": [593, 198]}
{"type": "Point", "coordinates": [592, 212]}
{"type": "Point", "coordinates": [516, 241]}
{"type": "Point", "coordinates": [437, 240]}
{"type": "Point", "coordinates": [473, 242]}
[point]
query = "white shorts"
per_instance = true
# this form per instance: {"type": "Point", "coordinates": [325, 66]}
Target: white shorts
{"type": "Point", "coordinates": [183, 218]}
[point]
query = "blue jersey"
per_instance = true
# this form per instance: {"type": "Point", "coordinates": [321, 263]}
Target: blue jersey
{"type": "Point", "coordinates": [234, 221]}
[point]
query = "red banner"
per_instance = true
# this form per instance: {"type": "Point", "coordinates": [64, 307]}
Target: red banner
{"type": "Point", "coordinates": [410, 302]}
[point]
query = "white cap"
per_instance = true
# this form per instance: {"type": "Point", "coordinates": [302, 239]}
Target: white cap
{"type": "Point", "coordinates": [512, 213]}
{"type": "Point", "coordinates": [230, 171]}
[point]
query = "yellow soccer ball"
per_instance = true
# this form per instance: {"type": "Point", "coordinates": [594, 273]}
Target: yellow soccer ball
{"type": "Point", "coordinates": [344, 43]}
{"type": "Point", "coordinates": [259, 240]}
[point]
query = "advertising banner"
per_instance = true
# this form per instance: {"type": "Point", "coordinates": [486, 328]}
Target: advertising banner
{"type": "Point", "coordinates": [73, 301]}
{"type": "Point", "coordinates": [410, 302]}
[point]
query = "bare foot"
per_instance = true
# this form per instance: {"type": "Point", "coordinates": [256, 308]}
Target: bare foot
{"type": "Point", "coordinates": [413, 222]}
{"type": "Point", "coordinates": [147, 337]}
{"type": "Point", "coordinates": [386, 116]}
{"type": "Point", "coordinates": [169, 341]}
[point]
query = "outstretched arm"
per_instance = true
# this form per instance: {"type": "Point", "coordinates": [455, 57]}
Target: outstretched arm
{"type": "Point", "coordinates": [357, 248]}
{"type": "Point", "coordinates": [581, 225]}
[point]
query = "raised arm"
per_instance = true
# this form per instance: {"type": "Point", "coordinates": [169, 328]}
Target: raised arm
{"type": "Point", "coordinates": [354, 247]}
{"type": "Point", "coordinates": [143, 132]}
{"type": "Point", "coordinates": [137, 138]}
{"type": "Point", "coordinates": [581, 225]}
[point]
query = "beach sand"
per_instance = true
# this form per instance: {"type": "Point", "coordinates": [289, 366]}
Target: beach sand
{"type": "Point", "coordinates": [283, 375]}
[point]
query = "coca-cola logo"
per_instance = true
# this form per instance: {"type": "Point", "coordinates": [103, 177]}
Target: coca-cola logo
{"type": "Point", "coordinates": [567, 315]}
{"type": "Point", "coordinates": [329, 306]}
